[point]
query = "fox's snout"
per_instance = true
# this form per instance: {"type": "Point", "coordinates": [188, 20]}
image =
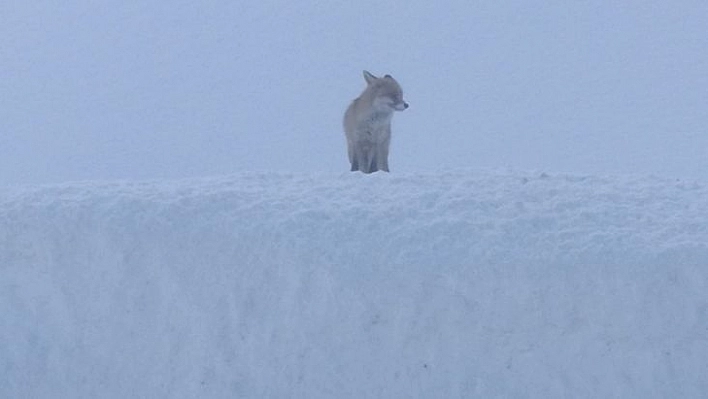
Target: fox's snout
{"type": "Point", "coordinates": [401, 106]}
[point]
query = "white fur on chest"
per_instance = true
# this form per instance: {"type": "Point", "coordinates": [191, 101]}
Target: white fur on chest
{"type": "Point", "coordinates": [375, 126]}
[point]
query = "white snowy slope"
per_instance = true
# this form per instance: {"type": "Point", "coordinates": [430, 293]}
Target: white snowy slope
{"type": "Point", "coordinates": [451, 285]}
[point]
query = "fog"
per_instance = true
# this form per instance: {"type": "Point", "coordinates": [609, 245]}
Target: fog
{"type": "Point", "coordinates": [162, 90]}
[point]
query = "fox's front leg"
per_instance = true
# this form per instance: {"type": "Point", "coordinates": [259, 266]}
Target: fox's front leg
{"type": "Point", "coordinates": [382, 155]}
{"type": "Point", "coordinates": [353, 157]}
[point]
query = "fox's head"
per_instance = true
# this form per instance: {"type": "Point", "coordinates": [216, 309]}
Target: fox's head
{"type": "Point", "coordinates": [386, 92]}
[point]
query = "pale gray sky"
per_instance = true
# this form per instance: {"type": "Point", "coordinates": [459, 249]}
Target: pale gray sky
{"type": "Point", "coordinates": [158, 89]}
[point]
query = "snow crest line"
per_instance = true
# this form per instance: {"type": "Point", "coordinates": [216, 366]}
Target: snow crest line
{"type": "Point", "coordinates": [461, 284]}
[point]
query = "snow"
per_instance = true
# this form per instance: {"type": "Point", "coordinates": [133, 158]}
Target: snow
{"type": "Point", "coordinates": [458, 284]}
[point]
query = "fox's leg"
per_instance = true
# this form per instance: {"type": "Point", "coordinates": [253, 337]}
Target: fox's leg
{"type": "Point", "coordinates": [351, 154]}
{"type": "Point", "coordinates": [375, 160]}
{"type": "Point", "coordinates": [353, 159]}
{"type": "Point", "coordinates": [383, 160]}
{"type": "Point", "coordinates": [361, 158]}
{"type": "Point", "coordinates": [365, 162]}
{"type": "Point", "coordinates": [372, 159]}
{"type": "Point", "coordinates": [382, 156]}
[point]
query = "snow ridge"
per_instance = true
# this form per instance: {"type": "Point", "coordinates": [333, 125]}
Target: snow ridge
{"type": "Point", "coordinates": [458, 284]}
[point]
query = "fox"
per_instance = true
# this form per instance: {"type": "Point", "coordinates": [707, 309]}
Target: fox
{"type": "Point", "coordinates": [367, 123]}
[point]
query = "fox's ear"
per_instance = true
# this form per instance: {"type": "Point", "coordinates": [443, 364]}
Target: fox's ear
{"type": "Point", "coordinates": [369, 77]}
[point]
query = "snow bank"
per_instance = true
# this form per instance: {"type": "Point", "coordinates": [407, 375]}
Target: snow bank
{"type": "Point", "coordinates": [462, 284]}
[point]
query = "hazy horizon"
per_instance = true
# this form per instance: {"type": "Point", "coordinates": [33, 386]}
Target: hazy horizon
{"type": "Point", "coordinates": [155, 90]}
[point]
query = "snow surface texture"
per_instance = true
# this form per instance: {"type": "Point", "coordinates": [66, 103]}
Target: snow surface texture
{"type": "Point", "coordinates": [462, 284]}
